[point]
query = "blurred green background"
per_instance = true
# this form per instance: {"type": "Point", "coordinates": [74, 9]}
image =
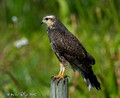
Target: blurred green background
{"type": "Point", "coordinates": [27, 69]}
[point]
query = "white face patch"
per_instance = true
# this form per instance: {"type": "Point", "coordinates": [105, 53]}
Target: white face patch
{"type": "Point", "coordinates": [49, 20]}
{"type": "Point", "coordinates": [50, 16]}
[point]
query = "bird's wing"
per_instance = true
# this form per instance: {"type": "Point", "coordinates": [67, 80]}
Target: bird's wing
{"type": "Point", "coordinates": [71, 49]}
{"type": "Point", "coordinates": [69, 44]}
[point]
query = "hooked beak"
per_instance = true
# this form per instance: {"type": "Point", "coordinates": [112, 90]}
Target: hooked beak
{"type": "Point", "coordinates": [41, 22]}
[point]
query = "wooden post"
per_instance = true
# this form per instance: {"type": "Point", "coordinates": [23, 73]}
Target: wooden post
{"type": "Point", "coordinates": [59, 89]}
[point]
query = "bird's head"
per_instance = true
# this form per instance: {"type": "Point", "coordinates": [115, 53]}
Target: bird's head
{"type": "Point", "coordinates": [49, 20]}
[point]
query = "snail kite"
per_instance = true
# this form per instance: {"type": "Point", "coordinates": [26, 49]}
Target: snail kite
{"type": "Point", "coordinates": [68, 49]}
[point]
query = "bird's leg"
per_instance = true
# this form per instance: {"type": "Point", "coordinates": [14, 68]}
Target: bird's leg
{"type": "Point", "coordinates": [59, 72]}
{"type": "Point", "coordinates": [63, 69]}
{"type": "Point", "coordinates": [60, 75]}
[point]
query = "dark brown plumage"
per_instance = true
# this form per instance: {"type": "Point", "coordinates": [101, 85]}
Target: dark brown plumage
{"type": "Point", "coordinates": [68, 49]}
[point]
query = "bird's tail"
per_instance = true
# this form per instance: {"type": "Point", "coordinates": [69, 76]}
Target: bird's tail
{"type": "Point", "coordinates": [89, 77]}
{"type": "Point", "coordinates": [91, 81]}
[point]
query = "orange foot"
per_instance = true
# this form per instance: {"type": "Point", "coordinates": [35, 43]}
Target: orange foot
{"type": "Point", "coordinates": [59, 77]}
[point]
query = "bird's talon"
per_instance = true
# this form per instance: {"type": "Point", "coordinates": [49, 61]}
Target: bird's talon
{"type": "Point", "coordinates": [59, 77]}
{"type": "Point", "coordinates": [58, 82]}
{"type": "Point", "coordinates": [64, 81]}
{"type": "Point", "coordinates": [54, 79]}
{"type": "Point", "coordinates": [67, 76]}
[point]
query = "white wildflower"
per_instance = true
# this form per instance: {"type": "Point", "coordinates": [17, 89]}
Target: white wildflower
{"type": "Point", "coordinates": [14, 18]}
{"type": "Point", "coordinates": [20, 43]}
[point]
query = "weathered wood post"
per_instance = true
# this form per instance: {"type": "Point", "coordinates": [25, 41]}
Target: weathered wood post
{"type": "Point", "coordinates": [59, 89]}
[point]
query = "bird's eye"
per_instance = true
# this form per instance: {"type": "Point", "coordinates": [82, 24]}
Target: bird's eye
{"type": "Point", "coordinates": [46, 18]}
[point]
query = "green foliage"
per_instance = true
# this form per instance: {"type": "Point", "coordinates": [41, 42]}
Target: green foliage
{"type": "Point", "coordinates": [28, 70]}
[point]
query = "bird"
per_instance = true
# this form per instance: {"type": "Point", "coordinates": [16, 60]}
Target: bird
{"type": "Point", "coordinates": [70, 51]}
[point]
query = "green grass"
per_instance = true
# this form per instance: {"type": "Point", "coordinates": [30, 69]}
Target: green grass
{"type": "Point", "coordinates": [29, 68]}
